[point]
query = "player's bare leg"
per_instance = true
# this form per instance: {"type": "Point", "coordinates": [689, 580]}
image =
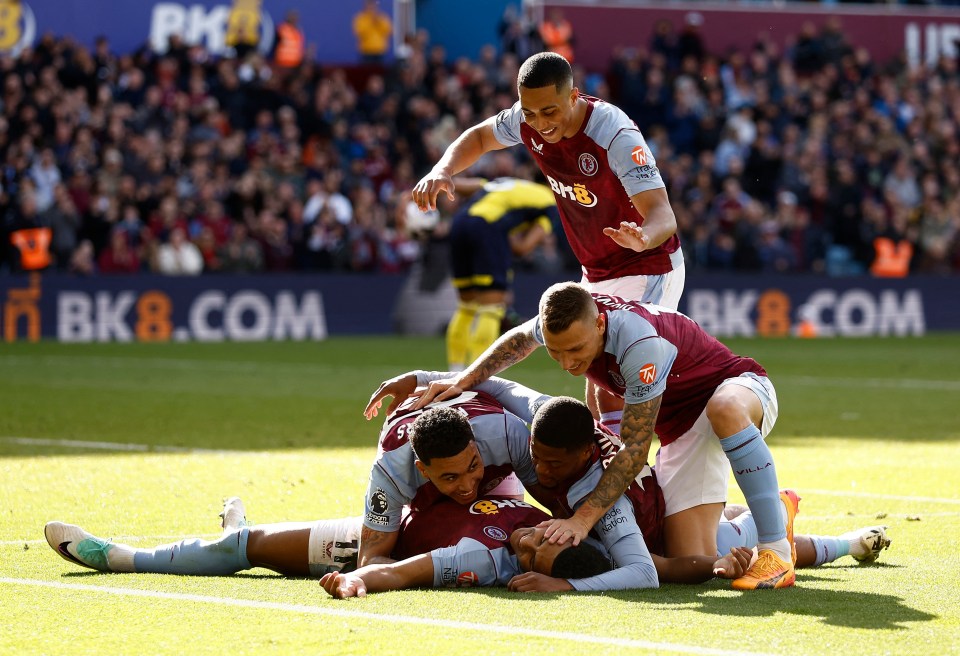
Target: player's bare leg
{"type": "Point", "coordinates": [283, 548]}
{"type": "Point", "coordinates": [692, 532]}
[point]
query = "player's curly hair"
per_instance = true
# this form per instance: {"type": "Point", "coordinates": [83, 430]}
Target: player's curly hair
{"type": "Point", "coordinates": [440, 433]}
{"type": "Point", "coordinates": [563, 304]}
{"type": "Point", "coordinates": [563, 422]}
{"type": "Point", "coordinates": [544, 69]}
{"type": "Point", "coordinates": [579, 562]}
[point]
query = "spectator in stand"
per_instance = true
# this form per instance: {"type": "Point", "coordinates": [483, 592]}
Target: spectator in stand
{"type": "Point", "coordinates": [81, 260]}
{"type": "Point", "coordinates": [169, 134]}
{"type": "Point", "coordinates": [46, 176]}
{"type": "Point", "coordinates": [243, 27]}
{"type": "Point", "coordinates": [241, 253]}
{"type": "Point", "coordinates": [372, 28]}
{"type": "Point", "coordinates": [118, 256]}
{"type": "Point", "coordinates": [178, 256]}
{"type": "Point", "coordinates": [65, 221]}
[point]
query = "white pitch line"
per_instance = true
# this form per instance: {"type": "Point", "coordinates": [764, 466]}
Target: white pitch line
{"type": "Point", "coordinates": [657, 647]}
{"type": "Point", "coordinates": [111, 446]}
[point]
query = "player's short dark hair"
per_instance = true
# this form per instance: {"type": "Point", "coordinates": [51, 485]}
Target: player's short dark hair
{"type": "Point", "coordinates": [545, 69]}
{"type": "Point", "coordinates": [579, 562]}
{"type": "Point", "coordinates": [563, 304]}
{"type": "Point", "coordinates": [563, 422]}
{"type": "Point", "coordinates": [440, 433]}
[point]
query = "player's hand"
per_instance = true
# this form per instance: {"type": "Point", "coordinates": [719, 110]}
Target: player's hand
{"type": "Point", "coordinates": [438, 390]}
{"type": "Point", "coordinates": [341, 585]}
{"type": "Point", "coordinates": [560, 530]}
{"type": "Point", "coordinates": [426, 192]}
{"type": "Point", "coordinates": [399, 387]}
{"type": "Point", "coordinates": [533, 582]}
{"type": "Point", "coordinates": [629, 235]}
{"type": "Point", "coordinates": [734, 564]}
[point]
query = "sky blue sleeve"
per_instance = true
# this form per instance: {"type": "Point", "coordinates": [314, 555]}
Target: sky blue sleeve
{"type": "Point", "coordinates": [518, 399]}
{"type": "Point", "coordinates": [470, 564]}
{"type": "Point", "coordinates": [635, 364]}
{"type": "Point", "coordinates": [630, 158]}
{"type": "Point", "coordinates": [383, 503]}
{"type": "Point", "coordinates": [620, 535]}
{"type": "Point", "coordinates": [506, 125]}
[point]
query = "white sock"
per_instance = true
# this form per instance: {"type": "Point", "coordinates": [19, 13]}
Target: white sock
{"type": "Point", "coordinates": [120, 558]}
{"type": "Point", "coordinates": [780, 547]}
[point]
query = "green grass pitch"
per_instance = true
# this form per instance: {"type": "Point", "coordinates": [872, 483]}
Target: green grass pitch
{"type": "Point", "coordinates": [868, 433]}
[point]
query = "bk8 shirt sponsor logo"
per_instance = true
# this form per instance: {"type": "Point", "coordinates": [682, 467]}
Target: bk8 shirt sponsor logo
{"type": "Point", "coordinates": [578, 193]}
{"type": "Point", "coordinates": [493, 506]}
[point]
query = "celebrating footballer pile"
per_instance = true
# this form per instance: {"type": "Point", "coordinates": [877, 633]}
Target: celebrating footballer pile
{"type": "Point", "coordinates": [463, 456]}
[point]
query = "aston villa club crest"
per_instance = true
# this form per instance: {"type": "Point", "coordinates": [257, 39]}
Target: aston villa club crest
{"type": "Point", "coordinates": [588, 164]}
{"type": "Point", "coordinates": [617, 378]}
{"type": "Point", "coordinates": [495, 533]}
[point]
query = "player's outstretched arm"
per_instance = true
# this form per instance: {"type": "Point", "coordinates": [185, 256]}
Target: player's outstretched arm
{"type": "Point", "coordinates": [399, 387]}
{"type": "Point", "coordinates": [512, 347]}
{"type": "Point", "coordinates": [697, 569]}
{"type": "Point", "coordinates": [629, 235]}
{"type": "Point", "coordinates": [535, 582]}
{"type": "Point", "coordinates": [462, 153]}
{"type": "Point", "coordinates": [410, 573]}
{"type": "Point", "coordinates": [636, 433]}
{"type": "Point", "coordinates": [659, 222]}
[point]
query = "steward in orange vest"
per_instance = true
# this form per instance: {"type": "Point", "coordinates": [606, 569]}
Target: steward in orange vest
{"type": "Point", "coordinates": [557, 35]}
{"type": "Point", "coordinates": [290, 46]}
{"type": "Point", "coordinates": [34, 247]}
{"type": "Point", "coordinates": [892, 258]}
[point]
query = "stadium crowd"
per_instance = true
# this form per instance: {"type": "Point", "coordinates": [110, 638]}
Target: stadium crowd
{"type": "Point", "coordinates": [811, 159]}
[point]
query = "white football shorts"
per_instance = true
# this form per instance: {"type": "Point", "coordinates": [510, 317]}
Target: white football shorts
{"type": "Point", "coordinates": [694, 470]}
{"type": "Point", "coordinates": [333, 544]}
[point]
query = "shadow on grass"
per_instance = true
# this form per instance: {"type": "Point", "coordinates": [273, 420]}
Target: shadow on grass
{"type": "Point", "coordinates": [843, 608]}
{"type": "Point", "coordinates": [847, 608]}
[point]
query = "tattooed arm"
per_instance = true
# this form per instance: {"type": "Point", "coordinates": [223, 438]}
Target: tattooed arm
{"type": "Point", "coordinates": [512, 347]}
{"type": "Point", "coordinates": [376, 547]}
{"type": "Point", "coordinates": [636, 432]}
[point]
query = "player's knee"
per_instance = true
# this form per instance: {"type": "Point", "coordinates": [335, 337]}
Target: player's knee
{"type": "Point", "coordinates": [726, 407]}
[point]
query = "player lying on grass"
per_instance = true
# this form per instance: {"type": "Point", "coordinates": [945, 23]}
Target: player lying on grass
{"type": "Point", "coordinates": [314, 548]}
{"type": "Point", "coordinates": [444, 445]}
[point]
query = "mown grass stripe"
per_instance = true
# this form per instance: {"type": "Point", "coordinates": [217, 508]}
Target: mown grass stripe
{"type": "Point", "coordinates": [513, 631]}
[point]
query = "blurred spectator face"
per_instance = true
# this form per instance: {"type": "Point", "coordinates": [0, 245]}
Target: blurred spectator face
{"type": "Point", "coordinates": [177, 237]}
{"type": "Point", "coordinates": [118, 241]}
